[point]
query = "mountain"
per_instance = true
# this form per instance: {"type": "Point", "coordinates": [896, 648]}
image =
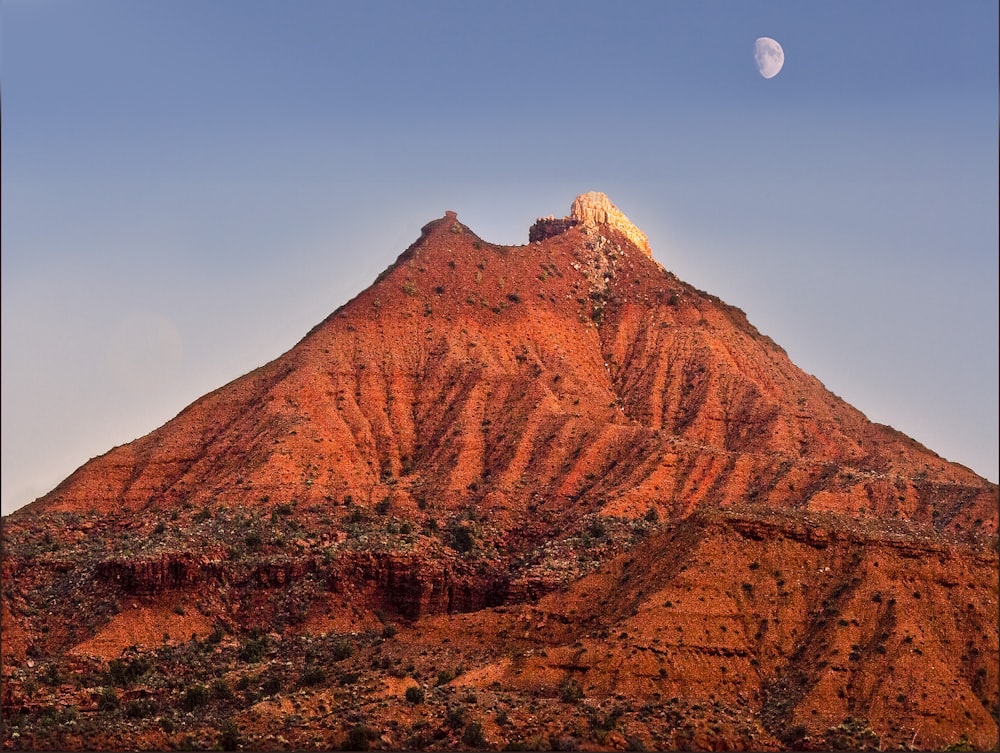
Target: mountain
{"type": "Point", "coordinates": [534, 496]}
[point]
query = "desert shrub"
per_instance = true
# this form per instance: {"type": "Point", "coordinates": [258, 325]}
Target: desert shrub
{"type": "Point", "coordinates": [140, 708]}
{"type": "Point", "coordinates": [360, 737]}
{"type": "Point", "coordinates": [312, 676]}
{"type": "Point", "coordinates": [455, 717]}
{"type": "Point", "coordinates": [794, 736]}
{"type": "Point", "coordinates": [51, 675]}
{"type": "Point", "coordinates": [271, 686]}
{"type": "Point", "coordinates": [414, 694]}
{"type": "Point", "coordinates": [852, 734]}
{"type": "Point", "coordinates": [123, 673]}
{"type": "Point", "coordinates": [597, 529]}
{"type": "Point", "coordinates": [196, 695]}
{"type": "Point", "coordinates": [462, 538]}
{"type": "Point", "coordinates": [389, 631]}
{"type": "Point", "coordinates": [107, 700]}
{"type": "Point", "coordinates": [473, 736]}
{"type": "Point", "coordinates": [418, 741]}
{"type": "Point", "coordinates": [342, 648]}
{"type": "Point", "coordinates": [445, 676]}
{"type": "Point", "coordinates": [221, 689]}
{"type": "Point", "coordinates": [253, 650]}
{"type": "Point", "coordinates": [229, 736]}
{"type": "Point", "coordinates": [571, 691]}
{"type": "Point", "coordinates": [606, 723]}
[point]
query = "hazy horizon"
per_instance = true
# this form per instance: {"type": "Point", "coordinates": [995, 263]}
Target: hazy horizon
{"type": "Point", "coordinates": [188, 188]}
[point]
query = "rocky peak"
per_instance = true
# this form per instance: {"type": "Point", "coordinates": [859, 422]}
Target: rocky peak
{"type": "Point", "coordinates": [595, 210]}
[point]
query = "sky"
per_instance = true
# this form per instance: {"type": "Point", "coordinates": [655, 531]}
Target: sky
{"type": "Point", "coordinates": [188, 187]}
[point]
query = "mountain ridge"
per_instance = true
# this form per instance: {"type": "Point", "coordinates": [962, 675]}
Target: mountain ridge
{"type": "Point", "coordinates": [543, 496]}
{"type": "Point", "coordinates": [631, 360]}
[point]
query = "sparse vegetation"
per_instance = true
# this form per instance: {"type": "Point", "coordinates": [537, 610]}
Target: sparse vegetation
{"type": "Point", "coordinates": [229, 736]}
{"type": "Point", "coordinates": [462, 536]}
{"type": "Point", "coordinates": [455, 717]}
{"type": "Point", "coordinates": [196, 695]}
{"type": "Point", "coordinates": [360, 737]}
{"type": "Point", "coordinates": [473, 735]}
{"type": "Point", "coordinates": [108, 700]}
{"type": "Point", "coordinates": [571, 691]}
{"type": "Point", "coordinates": [414, 694]}
{"type": "Point", "coordinates": [342, 648]}
{"type": "Point", "coordinates": [124, 672]}
{"type": "Point", "coordinates": [312, 676]}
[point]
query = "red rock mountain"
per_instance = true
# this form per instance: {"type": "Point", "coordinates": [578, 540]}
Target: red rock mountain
{"type": "Point", "coordinates": [573, 371]}
{"type": "Point", "coordinates": [620, 508]}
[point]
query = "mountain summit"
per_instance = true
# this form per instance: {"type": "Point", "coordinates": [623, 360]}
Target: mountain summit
{"type": "Point", "coordinates": [593, 210]}
{"type": "Point", "coordinates": [552, 478]}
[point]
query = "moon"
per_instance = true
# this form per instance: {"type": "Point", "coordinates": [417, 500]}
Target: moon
{"type": "Point", "coordinates": [769, 56]}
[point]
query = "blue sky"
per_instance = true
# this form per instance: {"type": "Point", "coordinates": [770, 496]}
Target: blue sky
{"type": "Point", "coordinates": [188, 187]}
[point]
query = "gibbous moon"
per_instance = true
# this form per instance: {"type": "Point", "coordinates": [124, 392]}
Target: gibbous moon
{"type": "Point", "coordinates": [769, 56]}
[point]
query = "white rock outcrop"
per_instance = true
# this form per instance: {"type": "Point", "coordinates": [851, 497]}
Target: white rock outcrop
{"type": "Point", "coordinates": [596, 209]}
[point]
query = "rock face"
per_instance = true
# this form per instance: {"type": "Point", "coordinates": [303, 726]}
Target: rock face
{"type": "Point", "coordinates": [595, 211]}
{"type": "Point", "coordinates": [556, 466]}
